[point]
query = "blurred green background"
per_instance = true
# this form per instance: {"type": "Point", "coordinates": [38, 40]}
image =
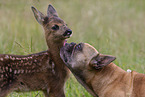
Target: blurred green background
{"type": "Point", "coordinates": [115, 27]}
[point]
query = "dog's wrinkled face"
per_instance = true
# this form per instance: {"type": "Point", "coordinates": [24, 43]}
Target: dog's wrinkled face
{"type": "Point", "coordinates": [81, 56]}
{"type": "Point", "coordinates": [78, 55]}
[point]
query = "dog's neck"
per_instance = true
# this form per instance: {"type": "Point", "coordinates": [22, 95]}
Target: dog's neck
{"type": "Point", "coordinates": [100, 79]}
{"type": "Point", "coordinates": [81, 79]}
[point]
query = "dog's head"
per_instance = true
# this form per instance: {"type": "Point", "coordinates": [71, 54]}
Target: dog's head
{"type": "Point", "coordinates": [83, 56]}
{"type": "Point", "coordinates": [81, 59]}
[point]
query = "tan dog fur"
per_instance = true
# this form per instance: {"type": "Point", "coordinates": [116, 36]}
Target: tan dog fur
{"type": "Point", "coordinates": [99, 75]}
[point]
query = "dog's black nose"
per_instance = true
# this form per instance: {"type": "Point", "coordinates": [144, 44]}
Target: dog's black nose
{"type": "Point", "coordinates": [72, 44]}
{"type": "Point", "coordinates": [68, 32]}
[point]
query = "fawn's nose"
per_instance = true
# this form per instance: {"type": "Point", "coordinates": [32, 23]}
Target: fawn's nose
{"type": "Point", "coordinates": [67, 32]}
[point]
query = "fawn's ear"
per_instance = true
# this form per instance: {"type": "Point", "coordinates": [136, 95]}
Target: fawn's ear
{"type": "Point", "coordinates": [38, 15]}
{"type": "Point", "coordinates": [101, 60]}
{"type": "Point", "coordinates": [51, 11]}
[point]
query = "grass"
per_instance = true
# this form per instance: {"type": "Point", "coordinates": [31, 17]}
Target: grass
{"type": "Point", "coordinates": [114, 27]}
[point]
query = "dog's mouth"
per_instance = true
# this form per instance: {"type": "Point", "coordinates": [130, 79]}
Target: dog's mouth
{"type": "Point", "coordinates": [68, 50]}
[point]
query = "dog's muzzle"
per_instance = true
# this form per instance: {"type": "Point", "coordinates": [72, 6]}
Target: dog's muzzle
{"type": "Point", "coordinates": [66, 51]}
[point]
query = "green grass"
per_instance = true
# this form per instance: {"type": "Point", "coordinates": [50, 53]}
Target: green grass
{"type": "Point", "coordinates": [115, 27]}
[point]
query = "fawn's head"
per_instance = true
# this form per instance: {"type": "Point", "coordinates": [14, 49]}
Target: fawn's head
{"type": "Point", "coordinates": [55, 28]}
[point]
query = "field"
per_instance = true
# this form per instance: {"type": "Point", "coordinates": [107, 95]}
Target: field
{"type": "Point", "coordinates": [115, 27]}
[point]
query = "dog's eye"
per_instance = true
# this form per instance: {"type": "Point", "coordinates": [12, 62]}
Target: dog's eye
{"type": "Point", "coordinates": [79, 47]}
{"type": "Point", "coordinates": [55, 27]}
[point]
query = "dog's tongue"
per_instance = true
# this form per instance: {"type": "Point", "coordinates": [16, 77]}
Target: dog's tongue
{"type": "Point", "coordinates": [65, 41]}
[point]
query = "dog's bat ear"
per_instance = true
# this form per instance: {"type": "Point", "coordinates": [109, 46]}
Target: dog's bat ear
{"type": "Point", "coordinates": [101, 60]}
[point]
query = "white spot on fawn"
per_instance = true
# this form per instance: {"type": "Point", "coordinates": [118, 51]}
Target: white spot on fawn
{"type": "Point", "coordinates": [33, 70]}
{"type": "Point", "coordinates": [35, 60]}
{"type": "Point", "coordinates": [1, 59]}
{"type": "Point", "coordinates": [37, 70]}
{"type": "Point", "coordinates": [29, 63]}
{"type": "Point", "coordinates": [26, 71]}
{"type": "Point", "coordinates": [15, 71]}
{"type": "Point", "coordinates": [21, 61]}
{"type": "Point", "coordinates": [30, 57]}
{"type": "Point", "coordinates": [22, 71]}
{"type": "Point", "coordinates": [3, 68]}
{"type": "Point", "coordinates": [33, 66]}
{"type": "Point", "coordinates": [18, 58]}
{"type": "Point", "coordinates": [10, 70]}
{"type": "Point", "coordinates": [19, 71]}
{"type": "Point", "coordinates": [2, 76]}
{"type": "Point", "coordinates": [53, 65]}
{"type": "Point", "coordinates": [10, 81]}
{"type": "Point", "coordinates": [6, 75]}
{"type": "Point", "coordinates": [48, 90]}
{"type": "Point", "coordinates": [29, 71]}
{"type": "Point", "coordinates": [6, 57]}
{"type": "Point", "coordinates": [7, 68]}
{"type": "Point", "coordinates": [23, 58]}
{"type": "Point", "coordinates": [13, 58]}
{"type": "Point", "coordinates": [10, 57]}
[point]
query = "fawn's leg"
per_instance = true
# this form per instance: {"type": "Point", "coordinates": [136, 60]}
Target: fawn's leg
{"type": "Point", "coordinates": [54, 93]}
{"type": "Point", "coordinates": [7, 88]}
{"type": "Point", "coordinates": [57, 93]}
{"type": "Point", "coordinates": [3, 93]}
{"type": "Point", "coordinates": [46, 93]}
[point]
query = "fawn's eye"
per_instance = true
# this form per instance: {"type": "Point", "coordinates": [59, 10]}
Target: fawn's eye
{"type": "Point", "coordinates": [55, 27]}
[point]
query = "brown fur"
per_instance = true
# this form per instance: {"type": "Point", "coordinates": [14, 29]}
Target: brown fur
{"type": "Point", "coordinates": [20, 73]}
{"type": "Point", "coordinates": [43, 71]}
{"type": "Point", "coordinates": [99, 76]}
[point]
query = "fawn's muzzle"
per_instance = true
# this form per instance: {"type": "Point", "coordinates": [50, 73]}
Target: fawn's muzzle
{"type": "Point", "coordinates": [67, 33]}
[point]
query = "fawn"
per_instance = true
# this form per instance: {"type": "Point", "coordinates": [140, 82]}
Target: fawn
{"type": "Point", "coordinates": [43, 71]}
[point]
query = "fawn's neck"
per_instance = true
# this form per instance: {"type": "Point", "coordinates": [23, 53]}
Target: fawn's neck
{"type": "Point", "coordinates": [60, 68]}
{"type": "Point", "coordinates": [54, 48]}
